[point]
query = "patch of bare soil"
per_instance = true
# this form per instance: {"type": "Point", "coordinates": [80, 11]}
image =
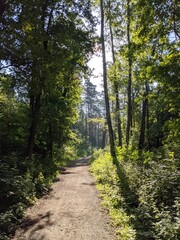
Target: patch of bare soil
{"type": "Point", "coordinates": [71, 211]}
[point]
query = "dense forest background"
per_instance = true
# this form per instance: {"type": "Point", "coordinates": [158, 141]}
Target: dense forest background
{"type": "Point", "coordinates": [51, 112]}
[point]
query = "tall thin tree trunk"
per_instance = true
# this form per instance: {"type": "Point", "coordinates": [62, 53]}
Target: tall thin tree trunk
{"type": "Point", "coordinates": [108, 115]}
{"type": "Point", "coordinates": [147, 117]}
{"type": "Point", "coordinates": [2, 7]}
{"type": "Point", "coordinates": [133, 109]}
{"type": "Point", "coordinates": [117, 109]}
{"type": "Point", "coordinates": [104, 136]}
{"type": "Point", "coordinates": [143, 120]}
{"type": "Point", "coordinates": [35, 100]}
{"type": "Point", "coordinates": [50, 140]}
{"type": "Point", "coordinates": [86, 130]}
{"type": "Point", "coordinates": [35, 108]}
{"type": "Point", "coordinates": [97, 135]}
{"type": "Point", "coordinates": [129, 89]}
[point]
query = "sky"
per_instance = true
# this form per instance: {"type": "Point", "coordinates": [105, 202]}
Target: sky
{"type": "Point", "coordinates": [96, 66]}
{"type": "Point", "coordinates": [96, 62]}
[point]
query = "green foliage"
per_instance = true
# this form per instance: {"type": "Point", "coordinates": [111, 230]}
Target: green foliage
{"type": "Point", "coordinates": [43, 59]}
{"type": "Point", "coordinates": [13, 119]}
{"type": "Point", "coordinates": [108, 184]}
{"type": "Point", "coordinates": [68, 153]}
{"type": "Point", "coordinates": [143, 194]}
{"type": "Point", "coordinates": [17, 192]}
{"type": "Point", "coordinates": [21, 182]}
{"type": "Point", "coordinates": [145, 39]}
{"type": "Point", "coordinates": [7, 222]}
{"type": "Point", "coordinates": [90, 124]}
{"type": "Point", "coordinates": [46, 55]}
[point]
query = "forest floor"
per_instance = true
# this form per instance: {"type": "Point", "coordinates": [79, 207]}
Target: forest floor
{"type": "Point", "coordinates": [71, 211]}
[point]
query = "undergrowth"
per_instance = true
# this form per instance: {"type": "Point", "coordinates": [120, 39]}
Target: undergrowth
{"type": "Point", "coordinates": [23, 181]}
{"type": "Point", "coordinates": [141, 193]}
{"type": "Point", "coordinates": [108, 183]}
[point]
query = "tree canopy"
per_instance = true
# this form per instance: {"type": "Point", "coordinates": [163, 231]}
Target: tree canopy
{"type": "Point", "coordinates": [51, 112]}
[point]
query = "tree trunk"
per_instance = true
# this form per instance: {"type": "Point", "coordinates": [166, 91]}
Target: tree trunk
{"type": "Point", "coordinates": [117, 109]}
{"type": "Point", "coordinates": [147, 115]}
{"type": "Point", "coordinates": [35, 100]}
{"type": "Point", "coordinates": [50, 140]}
{"type": "Point", "coordinates": [35, 108]}
{"type": "Point", "coordinates": [118, 119]}
{"type": "Point", "coordinates": [129, 89]}
{"type": "Point", "coordinates": [97, 135]}
{"type": "Point", "coordinates": [86, 131]}
{"type": "Point", "coordinates": [104, 136]}
{"type": "Point", "coordinates": [2, 6]}
{"type": "Point", "coordinates": [143, 120]}
{"type": "Point", "coordinates": [108, 115]}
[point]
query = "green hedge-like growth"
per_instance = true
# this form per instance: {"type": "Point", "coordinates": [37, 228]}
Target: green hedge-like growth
{"type": "Point", "coordinates": [22, 182]}
{"type": "Point", "coordinates": [142, 195]}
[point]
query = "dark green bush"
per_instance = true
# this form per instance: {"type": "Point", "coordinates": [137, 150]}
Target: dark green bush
{"type": "Point", "coordinates": [17, 192]}
{"type": "Point", "coordinates": [23, 180]}
{"type": "Point", "coordinates": [158, 200]}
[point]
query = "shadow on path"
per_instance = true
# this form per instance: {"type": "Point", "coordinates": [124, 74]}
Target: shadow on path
{"type": "Point", "coordinates": [29, 222]}
{"type": "Point", "coordinates": [71, 212]}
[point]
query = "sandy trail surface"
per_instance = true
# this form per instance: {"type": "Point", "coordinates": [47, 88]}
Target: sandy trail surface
{"type": "Point", "coordinates": [71, 211]}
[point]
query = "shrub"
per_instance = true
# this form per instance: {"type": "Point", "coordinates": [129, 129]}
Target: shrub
{"type": "Point", "coordinates": [141, 192]}
{"type": "Point", "coordinates": [17, 192]}
{"type": "Point", "coordinates": [108, 183]}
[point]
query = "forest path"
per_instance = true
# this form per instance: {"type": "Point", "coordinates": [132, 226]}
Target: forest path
{"type": "Point", "coordinates": [70, 212]}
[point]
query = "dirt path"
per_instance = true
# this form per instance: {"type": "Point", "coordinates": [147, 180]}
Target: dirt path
{"type": "Point", "coordinates": [70, 212]}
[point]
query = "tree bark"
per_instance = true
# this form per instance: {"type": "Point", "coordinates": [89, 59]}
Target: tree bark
{"type": "Point", "coordinates": [108, 115]}
{"type": "Point", "coordinates": [147, 112]}
{"type": "Point", "coordinates": [50, 140]}
{"type": "Point", "coordinates": [103, 145]}
{"type": "Point", "coordinates": [2, 6]}
{"type": "Point", "coordinates": [35, 109]}
{"type": "Point", "coordinates": [35, 100]}
{"type": "Point", "coordinates": [86, 131]}
{"type": "Point", "coordinates": [129, 89]}
{"type": "Point", "coordinates": [117, 108]}
{"type": "Point", "coordinates": [144, 120]}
